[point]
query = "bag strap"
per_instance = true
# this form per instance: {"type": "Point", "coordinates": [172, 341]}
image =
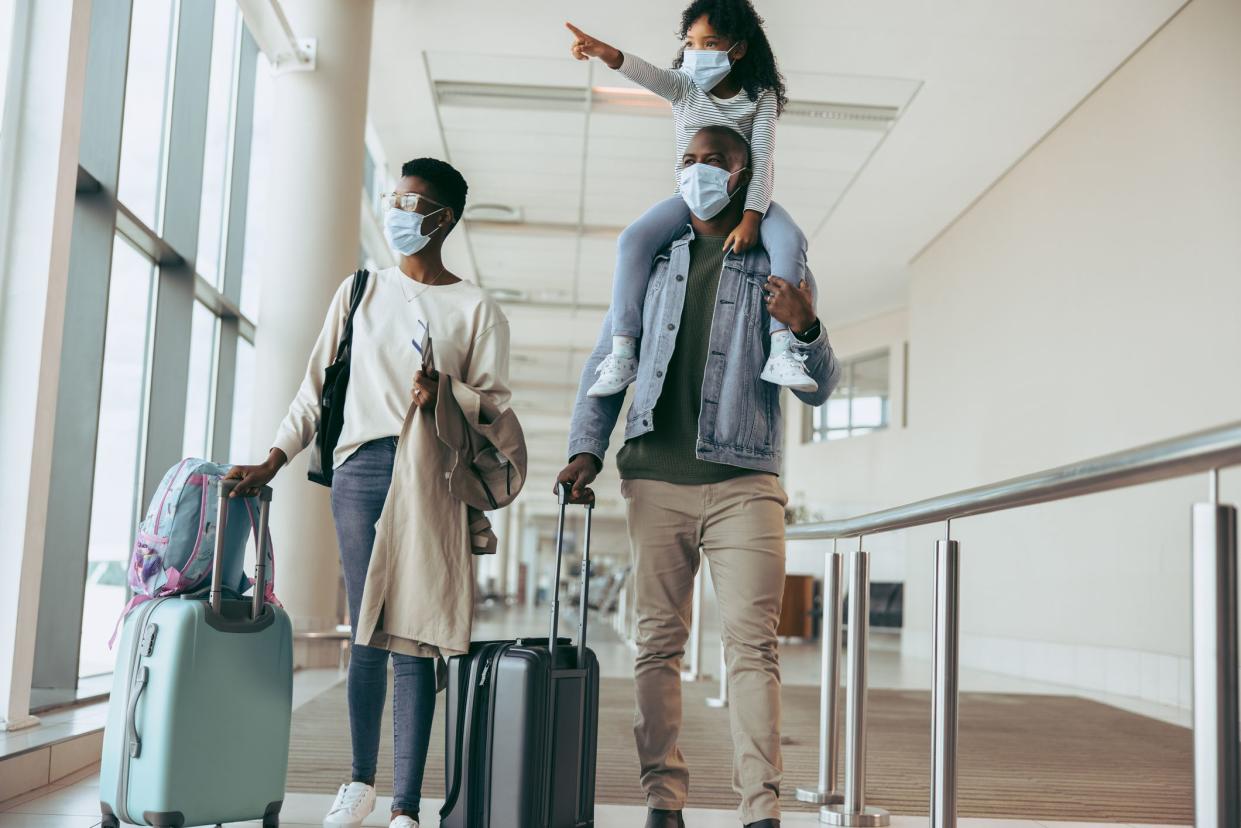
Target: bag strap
{"type": "Point", "coordinates": [358, 290]}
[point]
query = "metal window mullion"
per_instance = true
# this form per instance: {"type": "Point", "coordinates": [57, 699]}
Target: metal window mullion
{"type": "Point", "coordinates": [239, 189]}
{"type": "Point", "coordinates": [76, 431]}
{"type": "Point", "coordinates": [174, 307]}
{"type": "Point", "coordinates": [226, 391]}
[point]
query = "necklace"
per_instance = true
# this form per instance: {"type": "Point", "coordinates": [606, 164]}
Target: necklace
{"type": "Point", "coordinates": [428, 285]}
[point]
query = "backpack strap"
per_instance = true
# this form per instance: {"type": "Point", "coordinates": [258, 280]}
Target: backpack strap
{"type": "Point", "coordinates": [360, 278]}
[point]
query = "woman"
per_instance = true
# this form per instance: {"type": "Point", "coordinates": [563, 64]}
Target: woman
{"type": "Point", "coordinates": [470, 337]}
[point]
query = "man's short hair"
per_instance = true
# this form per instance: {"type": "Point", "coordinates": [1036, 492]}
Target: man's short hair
{"type": "Point", "coordinates": [732, 136]}
{"type": "Point", "coordinates": [448, 186]}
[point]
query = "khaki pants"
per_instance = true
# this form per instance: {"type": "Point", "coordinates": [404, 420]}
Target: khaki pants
{"type": "Point", "coordinates": [739, 527]}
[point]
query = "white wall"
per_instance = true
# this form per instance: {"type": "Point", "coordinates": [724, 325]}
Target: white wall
{"type": "Point", "coordinates": [1087, 303]}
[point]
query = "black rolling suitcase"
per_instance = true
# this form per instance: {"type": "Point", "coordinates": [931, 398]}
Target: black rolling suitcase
{"type": "Point", "coordinates": [522, 725]}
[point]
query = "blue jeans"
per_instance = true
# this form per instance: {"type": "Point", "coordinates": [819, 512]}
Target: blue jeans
{"type": "Point", "coordinates": [359, 488]}
{"type": "Point", "coordinates": [656, 229]}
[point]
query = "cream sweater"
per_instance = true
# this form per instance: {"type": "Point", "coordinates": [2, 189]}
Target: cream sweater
{"type": "Point", "coordinates": [469, 336]}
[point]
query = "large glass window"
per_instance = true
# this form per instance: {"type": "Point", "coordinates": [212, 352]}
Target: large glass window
{"type": "Point", "coordinates": [148, 276]}
{"type": "Point", "coordinates": [259, 197]}
{"type": "Point", "coordinates": [858, 405]}
{"type": "Point", "coordinates": [241, 450]}
{"type": "Point", "coordinates": [198, 389]}
{"type": "Point", "coordinates": [114, 502]}
{"type": "Point", "coordinates": [220, 100]}
{"type": "Point", "coordinates": [146, 106]}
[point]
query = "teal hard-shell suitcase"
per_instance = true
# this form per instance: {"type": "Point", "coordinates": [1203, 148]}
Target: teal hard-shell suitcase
{"type": "Point", "coordinates": [198, 722]}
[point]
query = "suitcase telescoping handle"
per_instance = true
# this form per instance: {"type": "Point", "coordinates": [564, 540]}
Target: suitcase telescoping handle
{"type": "Point", "coordinates": [260, 555]}
{"type": "Point", "coordinates": [562, 497]}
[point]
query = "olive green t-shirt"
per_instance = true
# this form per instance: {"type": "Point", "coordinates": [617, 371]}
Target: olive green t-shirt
{"type": "Point", "coordinates": [667, 452]}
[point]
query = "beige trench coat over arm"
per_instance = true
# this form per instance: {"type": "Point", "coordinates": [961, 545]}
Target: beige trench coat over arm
{"type": "Point", "coordinates": [419, 594]}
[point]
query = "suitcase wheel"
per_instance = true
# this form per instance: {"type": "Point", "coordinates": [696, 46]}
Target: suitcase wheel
{"type": "Point", "coordinates": [109, 821]}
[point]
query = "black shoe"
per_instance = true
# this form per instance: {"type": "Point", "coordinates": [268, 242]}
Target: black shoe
{"type": "Point", "coordinates": [764, 823]}
{"type": "Point", "coordinates": [659, 818]}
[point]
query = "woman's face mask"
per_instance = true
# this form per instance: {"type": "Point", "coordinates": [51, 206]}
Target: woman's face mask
{"type": "Point", "coordinates": [706, 67]}
{"type": "Point", "coordinates": [403, 229]}
{"type": "Point", "coordinates": [705, 189]}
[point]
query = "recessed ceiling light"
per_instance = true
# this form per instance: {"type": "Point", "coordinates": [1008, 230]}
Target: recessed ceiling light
{"type": "Point", "coordinates": [493, 211]}
{"type": "Point", "coordinates": [829, 114]}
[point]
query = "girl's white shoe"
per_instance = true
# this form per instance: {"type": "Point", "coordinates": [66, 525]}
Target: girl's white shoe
{"type": "Point", "coordinates": [403, 821]}
{"type": "Point", "coordinates": [354, 802]}
{"type": "Point", "coordinates": [788, 369]}
{"type": "Point", "coordinates": [616, 373]}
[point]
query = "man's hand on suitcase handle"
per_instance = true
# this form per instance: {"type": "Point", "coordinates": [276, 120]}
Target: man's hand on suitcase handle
{"type": "Point", "coordinates": [253, 478]}
{"type": "Point", "coordinates": [579, 474]}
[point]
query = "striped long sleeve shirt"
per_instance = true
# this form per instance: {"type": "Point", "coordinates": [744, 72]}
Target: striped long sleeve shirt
{"type": "Point", "coordinates": [693, 109]}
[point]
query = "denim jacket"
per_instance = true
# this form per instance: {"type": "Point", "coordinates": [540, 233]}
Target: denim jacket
{"type": "Point", "coordinates": [739, 423]}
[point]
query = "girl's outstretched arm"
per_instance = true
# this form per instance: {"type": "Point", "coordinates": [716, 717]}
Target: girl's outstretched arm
{"type": "Point", "coordinates": [666, 83]}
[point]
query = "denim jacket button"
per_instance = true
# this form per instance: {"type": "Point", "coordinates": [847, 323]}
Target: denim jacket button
{"type": "Point", "coordinates": [680, 277]}
{"type": "Point", "coordinates": [659, 373]}
{"type": "Point", "coordinates": [672, 327]}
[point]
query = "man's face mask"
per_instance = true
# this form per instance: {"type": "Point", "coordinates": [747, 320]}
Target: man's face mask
{"type": "Point", "coordinates": [706, 67]}
{"type": "Point", "coordinates": [705, 189]}
{"type": "Point", "coordinates": [403, 229]}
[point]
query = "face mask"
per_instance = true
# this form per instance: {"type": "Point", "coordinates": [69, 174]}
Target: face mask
{"type": "Point", "coordinates": [705, 189]}
{"type": "Point", "coordinates": [403, 230]}
{"type": "Point", "coordinates": [706, 67]}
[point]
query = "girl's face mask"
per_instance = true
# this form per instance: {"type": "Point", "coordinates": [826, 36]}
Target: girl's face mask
{"type": "Point", "coordinates": [706, 67]}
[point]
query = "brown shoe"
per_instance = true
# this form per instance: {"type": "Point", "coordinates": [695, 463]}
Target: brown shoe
{"type": "Point", "coordinates": [659, 818]}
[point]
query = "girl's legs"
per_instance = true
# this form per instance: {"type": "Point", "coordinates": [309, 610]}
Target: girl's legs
{"type": "Point", "coordinates": [413, 702]}
{"type": "Point", "coordinates": [636, 248]}
{"type": "Point", "coordinates": [786, 250]}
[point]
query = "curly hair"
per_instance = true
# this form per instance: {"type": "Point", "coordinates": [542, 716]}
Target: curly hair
{"type": "Point", "coordinates": [736, 20]}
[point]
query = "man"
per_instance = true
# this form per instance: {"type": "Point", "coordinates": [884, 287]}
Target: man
{"type": "Point", "coordinates": [702, 450]}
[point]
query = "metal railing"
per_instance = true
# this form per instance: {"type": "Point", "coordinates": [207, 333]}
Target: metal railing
{"type": "Point", "coordinates": [1217, 765]}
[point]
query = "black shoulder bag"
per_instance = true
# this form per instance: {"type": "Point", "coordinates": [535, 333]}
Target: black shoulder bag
{"type": "Point", "coordinates": [335, 384]}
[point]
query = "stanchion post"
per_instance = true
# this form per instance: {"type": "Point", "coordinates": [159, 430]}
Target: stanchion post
{"type": "Point", "coordinates": [854, 811]}
{"type": "Point", "coordinates": [829, 682]}
{"type": "Point", "coordinates": [694, 672]}
{"type": "Point", "coordinates": [945, 667]}
{"type": "Point", "coordinates": [722, 699]}
{"type": "Point", "coordinates": [1217, 766]}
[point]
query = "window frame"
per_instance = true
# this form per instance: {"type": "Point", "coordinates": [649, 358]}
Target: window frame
{"type": "Point", "coordinates": [814, 432]}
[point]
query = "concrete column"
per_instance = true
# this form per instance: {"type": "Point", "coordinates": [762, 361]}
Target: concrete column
{"type": "Point", "coordinates": [309, 239]}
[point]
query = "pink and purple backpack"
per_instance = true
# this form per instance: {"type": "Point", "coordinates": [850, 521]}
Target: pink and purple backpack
{"type": "Point", "coordinates": [176, 540]}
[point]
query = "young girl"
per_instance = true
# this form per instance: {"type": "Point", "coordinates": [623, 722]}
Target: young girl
{"type": "Point", "coordinates": [726, 74]}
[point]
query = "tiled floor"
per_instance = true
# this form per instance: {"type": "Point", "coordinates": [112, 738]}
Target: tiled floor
{"type": "Point", "coordinates": [76, 805]}
{"type": "Point", "coordinates": [74, 801]}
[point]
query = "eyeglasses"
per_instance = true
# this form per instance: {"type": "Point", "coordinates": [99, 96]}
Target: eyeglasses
{"type": "Point", "coordinates": [409, 202]}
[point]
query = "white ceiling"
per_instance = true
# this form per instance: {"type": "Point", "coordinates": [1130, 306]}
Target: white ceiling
{"type": "Point", "coordinates": [976, 84]}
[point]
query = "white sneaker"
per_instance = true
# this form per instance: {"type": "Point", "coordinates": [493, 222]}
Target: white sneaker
{"type": "Point", "coordinates": [788, 368]}
{"type": "Point", "coordinates": [354, 803]}
{"type": "Point", "coordinates": [403, 821]}
{"type": "Point", "coordinates": [616, 373]}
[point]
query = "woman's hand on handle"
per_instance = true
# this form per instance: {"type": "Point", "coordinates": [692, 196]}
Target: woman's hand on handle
{"type": "Point", "coordinates": [251, 479]}
{"type": "Point", "coordinates": [584, 47]}
{"type": "Point", "coordinates": [578, 475]}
